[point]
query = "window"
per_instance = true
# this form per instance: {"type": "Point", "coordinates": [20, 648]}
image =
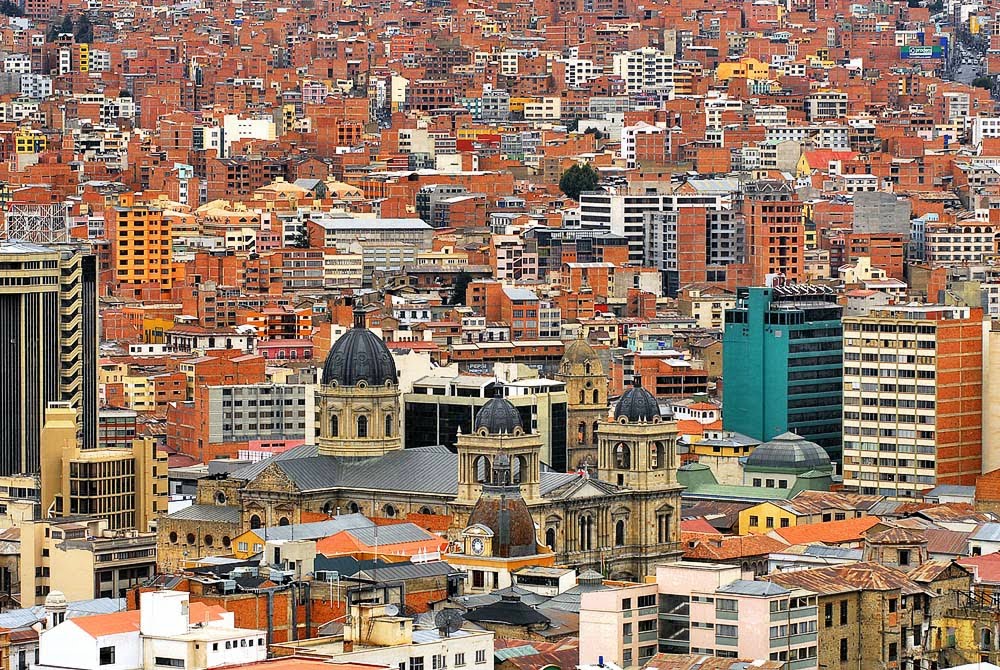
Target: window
{"type": "Point", "coordinates": [893, 604]}
{"type": "Point", "coordinates": [770, 522]}
{"type": "Point", "coordinates": [725, 605]}
{"type": "Point", "coordinates": [169, 662]}
{"type": "Point", "coordinates": [480, 656]}
{"type": "Point", "coordinates": [459, 660]}
{"type": "Point", "coordinates": [904, 556]}
{"type": "Point", "coordinates": [626, 604]}
{"type": "Point", "coordinates": [626, 629]}
{"type": "Point", "coordinates": [437, 662]}
{"type": "Point", "coordinates": [647, 601]}
{"type": "Point", "coordinates": [843, 649]}
{"type": "Point", "coordinates": [893, 651]}
{"type": "Point", "coordinates": [754, 521]}
{"type": "Point", "coordinates": [828, 615]}
{"type": "Point", "coordinates": [107, 656]}
{"type": "Point", "coordinates": [843, 612]}
{"type": "Point", "coordinates": [242, 546]}
{"type": "Point", "coordinates": [416, 663]}
{"type": "Point", "coordinates": [785, 523]}
{"type": "Point", "coordinates": [362, 426]}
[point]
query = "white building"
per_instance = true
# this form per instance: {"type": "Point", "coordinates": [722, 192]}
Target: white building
{"type": "Point", "coordinates": [629, 135]}
{"type": "Point", "coordinates": [17, 64]}
{"type": "Point", "coordinates": [644, 69]}
{"type": "Point", "coordinates": [167, 631]}
{"type": "Point", "coordinates": [235, 129]}
{"type": "Point", "coordinates": [580, 70]}
{"type": "Point", "coordinates": [36, 86]}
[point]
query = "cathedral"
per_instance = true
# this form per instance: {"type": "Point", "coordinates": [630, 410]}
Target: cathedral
{"type": "Point", "coordinates": [620, 518]}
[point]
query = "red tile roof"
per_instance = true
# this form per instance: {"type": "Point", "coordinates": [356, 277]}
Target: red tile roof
{"type": "Point", "coordinates": [828, 532]}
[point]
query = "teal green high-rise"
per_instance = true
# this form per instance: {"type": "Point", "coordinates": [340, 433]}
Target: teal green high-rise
{"type": "Point", "coordinates": [782, 365]}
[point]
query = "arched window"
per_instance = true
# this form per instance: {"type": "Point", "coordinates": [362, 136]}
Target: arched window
{"type": "Point", "coordinates": [620, 532]}
{"type": "Point", "coordinates": [550, 538]}
{"type": "Point", "coordinates": [596, 397]}
{"type": "Point", "coordinates": [426, 510]}
{"type": "Point", "coordinates": [390, 511]}
{"type": "Point", "coordinates": [583, 398]}
{"type": "Point", "coordinates": [657, 456]}
{"type": "Point", "coordinates": [329, 507]}
{"type": "Point", "coordinates": [518, 469]}
{"type": "Point", "coordinates": [986, 639]}
{"type": "Point", "coordinates": [190, 538]}
{"type": "Point", "coordinates": [362, 426]}
{"type": "Point", "coordinates": [623, 456]}
{"type": "Point", "coordinates": [581, 433]}
{"type": "Point", "coordinates": [586, 533]}
{"type": "Point", "coordinates": [283, 521]}
{"type": "Point", "coordinates": [255, 522]}
{"type": "Point", "coordinates": [353, 507]}
{"type": "Point", "coordinates": [663, 526]}
{"type": "Point", "coordinates": [586, 367]}
{"type": "Point", "coordinates": [334, 426]}
{"type": "Point", "coordinates": [388, 425]}
{"type": "Point", "coordinates": [483, 469]}
{"type": "Point", "coordinates": [593, 434]}
{"type": "Point", "coordinates": [209, 540]}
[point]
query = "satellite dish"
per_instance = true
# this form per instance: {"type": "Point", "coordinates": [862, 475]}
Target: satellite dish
{"type": "Point", "coordinates": [448, 621]}
{"type": "Point", "coordinates": [391, 609]}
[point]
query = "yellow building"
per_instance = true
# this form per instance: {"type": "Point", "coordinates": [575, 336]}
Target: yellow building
{"type": "Point", "coordinates": [765, 517]}
{"type": "Point", "coordinates": [29, 141]}
{"type": "Point", "coordinates": [84, 55]}
{"type": "Point", "coordinates": [746, 68]}
{"type": "Point", "coordinates": [127, 488]}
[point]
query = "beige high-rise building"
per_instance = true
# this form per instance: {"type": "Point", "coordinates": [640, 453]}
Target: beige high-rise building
{"type": "Point", "coordinates": [125, 486]}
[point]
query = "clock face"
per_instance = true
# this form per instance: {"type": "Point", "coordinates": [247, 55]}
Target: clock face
{"type": "Point", "coordinates": [478, 546]}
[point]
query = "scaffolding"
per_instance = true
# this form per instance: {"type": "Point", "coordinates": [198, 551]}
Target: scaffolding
{"type": "Point", "coordinates": [39, 224]}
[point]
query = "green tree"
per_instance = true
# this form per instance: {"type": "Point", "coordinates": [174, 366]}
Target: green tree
{"type": "Point", "coordinates": [301, 239]}
{"type": "Point", "coordinates": [8, 8]}
{"type": "Point", "coordinates": [983, 82]}
{"type": "Point", "coordinates": [460, 288]}
{"type": "Point", "coordinates": [84, 33]}
{"type": "Point", "coordinates": [67, 25]}
{"type": "Point", "coordinates": [578, 179]}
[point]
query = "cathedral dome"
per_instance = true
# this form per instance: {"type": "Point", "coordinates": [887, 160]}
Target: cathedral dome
{"type": "Point", "coordinates": [497, 416]}
{"type": "Point", "coordinates": [359, 356]}
{"type": "Point", "coordinates": [637, 405]}
{"type": "Point", "coordinates": [503, 511]}
{"type": "Point", "coordinates": [789, 452]}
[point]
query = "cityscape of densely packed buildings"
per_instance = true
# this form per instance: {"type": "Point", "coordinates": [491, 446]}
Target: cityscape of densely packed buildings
{"type": "Point", "coordinates": [463, 335]}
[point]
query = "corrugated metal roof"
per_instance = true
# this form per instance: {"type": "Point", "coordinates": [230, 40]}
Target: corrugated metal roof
{"type": "Point", "coordinates": [218, 513]}
{"type": "Point", "coordinates": [396, 533]}
{"type": "Point", "coordinates": [317, 529]}
{"type": "Point", "coordinates": [748, 587]}
{"type": "Point", "coordinates": [394, 571]}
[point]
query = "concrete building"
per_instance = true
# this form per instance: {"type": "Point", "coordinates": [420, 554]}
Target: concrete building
{"type": "Point", "coordinates": [782, 365]}
{"type": "Point", "coordinates": [83, 559]}
{"type": "Point", "coordinates": [167, 631]}
{"type": "Point", "coordinates": [644, 69]}
{"type": "Point", "coordinates": [48, 347]}
{"type": "Point", "coordinates": [439, 408]}
{"type": "Point", "coordinates": [340, 232]}
{"type": "Point", "coordinates": [124, 485]}
{"type": "Point", "coordinates": [702, 608]}
{"type": "Point", "coordinates": [913, 390]}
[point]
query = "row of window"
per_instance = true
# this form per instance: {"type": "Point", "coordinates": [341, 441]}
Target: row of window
{"type": "Point", "coordinates": [440, 661]}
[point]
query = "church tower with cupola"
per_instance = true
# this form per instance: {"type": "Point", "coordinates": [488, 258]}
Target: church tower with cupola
{"type": "Point", "coordinates": [497, 433]}
{"type": "Point", "coordinates": [357, 402]}
{"type": "Point", "coordinates": [638, 450]}
{"type": "Point", "coordinates": [587, 387]}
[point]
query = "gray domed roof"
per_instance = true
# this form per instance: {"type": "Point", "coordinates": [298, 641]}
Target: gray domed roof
{"type": "Point", "coordinates": [359, 355]}
{"type": "Point", "coordinates": [788, 451]}
{"type": "Point", "coordinates": [497, 416]}
{"type": "Point", "coordinates": [637, 405]}
{"type": "Point", "coordinates": [578, 353]}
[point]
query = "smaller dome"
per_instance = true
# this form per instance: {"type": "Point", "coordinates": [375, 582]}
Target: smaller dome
{"type": "Point", "coordinates": [55, 600]}
{"type": "Point", "coordinates": [505, 513]}
{"type": "Point", "coordinates": [788, 451]}
{"type": "Point", "coordinates": [637, 405]}
{"type": "Point", "coordinates": [578, 353]}
{"type": "Point", "coordinates": [497, 416]}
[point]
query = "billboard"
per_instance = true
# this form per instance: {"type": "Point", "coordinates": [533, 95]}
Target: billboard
{"type": "Point", "coordinates": [934, 51]}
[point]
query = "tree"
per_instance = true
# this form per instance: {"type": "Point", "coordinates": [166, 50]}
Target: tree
{"type": "Point", "coordinates": [8, 8]}
{"type": "Point", "coordinates": [301, 239]}
{"type": "Point", "coordinates": [67, 25]}
{"type": "Point", "coordinates": [578, 179]}
{"type": "Point", "coordinates": [983, 82]}
{"type": "Point", "coordinates": [460, 288]}
{"type": "Point", "coordinates": [84, 33]}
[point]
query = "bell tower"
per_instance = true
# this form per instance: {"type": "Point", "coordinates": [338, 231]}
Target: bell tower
{"type": "Point", "coordinates": [587, 387]}
{"type": "Point", "coordinates": [357, 401]}
{"type": "Point", "coordinates": [498, 447]}
{"type": "Point", "coordinates": [638, 450]}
